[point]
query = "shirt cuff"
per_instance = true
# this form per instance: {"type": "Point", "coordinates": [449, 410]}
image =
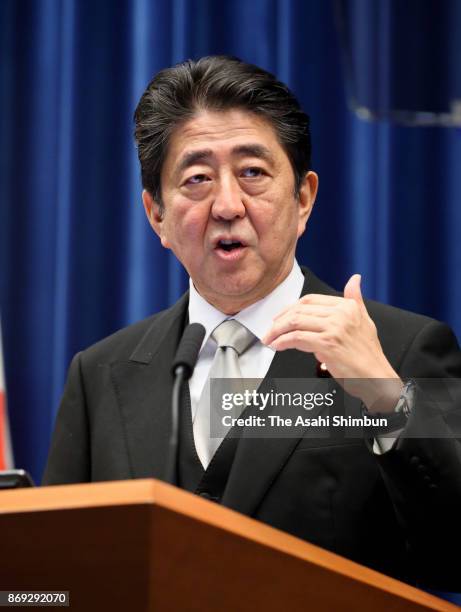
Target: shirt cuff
{"type": "Point", "coordinates": [382, 445]}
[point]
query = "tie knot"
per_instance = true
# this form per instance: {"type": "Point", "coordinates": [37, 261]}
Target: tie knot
{"type": "Point", "coordinates": [231, 333]}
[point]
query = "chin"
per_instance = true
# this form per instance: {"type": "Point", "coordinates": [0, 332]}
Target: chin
{"type": "Point", "coordinates": [238, 286]}
{"type": "Point", "coordinates": [232, 301]}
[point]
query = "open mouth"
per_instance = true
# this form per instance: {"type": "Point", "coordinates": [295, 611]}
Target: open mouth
{"type": "Point", "coordinates": [229, 245]}
{"type": "Point", "coordinates": [230, 249]}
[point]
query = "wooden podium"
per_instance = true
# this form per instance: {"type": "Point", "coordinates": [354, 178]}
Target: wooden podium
{"type": "Point", "coordinates": [144, 545]}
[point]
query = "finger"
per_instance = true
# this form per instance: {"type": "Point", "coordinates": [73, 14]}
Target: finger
{"type": "Point", "coordinates": [321, 299]}
{"type": "Point", "coordinates": [308, 309]}
{"type": "Point", "coordinates": [293, 321]}
{"type": "Point", "coordinates": [353, 291]}
{"type": "Point", "coordinates": [315, 299]}
{"type": "Point", "coordinates": [306, 341]}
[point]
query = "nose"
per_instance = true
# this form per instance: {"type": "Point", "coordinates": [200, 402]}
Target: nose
{"type": "Point", "coordinates": [228, 204]}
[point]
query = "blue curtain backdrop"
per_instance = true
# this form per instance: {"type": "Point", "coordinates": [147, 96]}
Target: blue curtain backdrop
{"type": "Point", "coordinates": [77, 257]}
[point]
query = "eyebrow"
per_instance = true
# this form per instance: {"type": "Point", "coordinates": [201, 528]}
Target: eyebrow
{"type": "Point", "coordinates": [254, 150]}
{"type": "Point", "coordinates": [247, 150]}
{"type": "Point", "coordinates": [193, 157]}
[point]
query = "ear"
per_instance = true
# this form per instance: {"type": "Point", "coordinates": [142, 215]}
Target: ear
{"type": "Point", "coordinates": [307, 194]}
{"type": "Point", "coordinates": [155, 216]}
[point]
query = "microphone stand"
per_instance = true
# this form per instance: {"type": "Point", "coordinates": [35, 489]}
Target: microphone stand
{"type": "Point", "coordinates": [182, 368]}
{"type": "Point", "coordinates": [171, 467]}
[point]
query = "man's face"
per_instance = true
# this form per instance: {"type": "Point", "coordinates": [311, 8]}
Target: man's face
{"type": "Point", "coordinates": [226, 179]}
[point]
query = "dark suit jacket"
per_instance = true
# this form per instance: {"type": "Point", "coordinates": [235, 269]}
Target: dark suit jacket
{"type": "Point", "coordinates": [398, 513]}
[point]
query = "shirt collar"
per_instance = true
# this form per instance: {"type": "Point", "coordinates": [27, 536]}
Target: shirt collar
{"type": "Point", "coordinates": [257, 317]}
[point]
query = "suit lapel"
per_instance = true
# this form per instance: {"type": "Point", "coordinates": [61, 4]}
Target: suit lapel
{"type": "Point", "coordinates": [144, 386]}
{"type": "Point", "coordinates": [258, 460]}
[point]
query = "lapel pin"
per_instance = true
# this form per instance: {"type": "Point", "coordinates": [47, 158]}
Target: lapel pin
{"type": "Point", "coordinates": [322, 370]}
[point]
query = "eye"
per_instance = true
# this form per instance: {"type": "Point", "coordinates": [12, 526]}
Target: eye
{"type": "Point", "coordinates": [253, 172]}
{"type": "Point", "coordinates": [196, 179]}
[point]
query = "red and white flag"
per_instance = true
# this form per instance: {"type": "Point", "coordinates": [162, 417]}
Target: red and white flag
{"type": "Point", "coordinates": [6, 455]}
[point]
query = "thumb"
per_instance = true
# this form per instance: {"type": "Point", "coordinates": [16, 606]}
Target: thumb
{"type": "Point", "coordinates": [352, 289]}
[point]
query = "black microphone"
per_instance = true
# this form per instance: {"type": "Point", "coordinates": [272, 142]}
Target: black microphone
{"type": "Point", "coordinates": [187, 353]}
{"type": "Point", "coordinates": [182, 368]}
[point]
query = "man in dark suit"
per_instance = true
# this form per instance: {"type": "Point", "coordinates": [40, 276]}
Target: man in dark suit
{"type": "Point", "coordinates": [225, 158]}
